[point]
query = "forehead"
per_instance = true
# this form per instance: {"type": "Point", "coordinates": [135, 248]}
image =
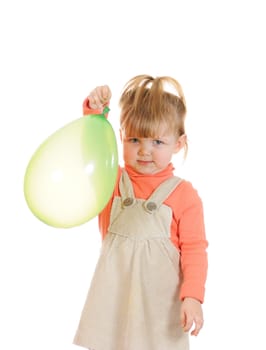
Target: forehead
{"type": "Point", "coordinates": [153, 131]}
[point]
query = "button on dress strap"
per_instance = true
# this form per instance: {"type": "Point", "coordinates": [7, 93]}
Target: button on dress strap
{"type": "Point", "coordinates": [161, 193]}
{"type": "Point", "coordinates": [151, 206]}
{"type": "Point", "coordinates": [128, 201]}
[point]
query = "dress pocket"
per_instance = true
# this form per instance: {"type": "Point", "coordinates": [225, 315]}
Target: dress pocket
{"type": "Point", "coordinates": [172, 254]}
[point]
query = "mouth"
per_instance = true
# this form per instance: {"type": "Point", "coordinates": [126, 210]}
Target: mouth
{"type": "Point", "coordinates": [144, 162]}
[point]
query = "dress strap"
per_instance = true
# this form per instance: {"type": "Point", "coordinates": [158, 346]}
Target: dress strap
{"type": "Point", "coordinates": [161, 193]}
{"type": "Point", "coordinates": [125, 186]}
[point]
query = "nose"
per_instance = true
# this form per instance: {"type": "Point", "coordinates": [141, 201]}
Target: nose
{"type": "Point", "coordinates": [144, 148]}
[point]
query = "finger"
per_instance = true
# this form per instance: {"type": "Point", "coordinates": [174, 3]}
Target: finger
{"type": "Point", "coordinates": [188, 324]}
{"type": "Point", "coordinates": [99, 96]}
{"type": "Point", "coordinates": [96, 99]}
{"type": "Point", "coordinates": [198, 327]}
{"type": "Point", "coordinates": [106, 93]}
{"type": "Point", "coordinates": [182, 319]}
{"type": "Point", "coordinates": [102, 94]}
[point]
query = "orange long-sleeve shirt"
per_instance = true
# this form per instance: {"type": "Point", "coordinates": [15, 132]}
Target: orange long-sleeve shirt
{"type": "Point", "coordinates": [187, 227]}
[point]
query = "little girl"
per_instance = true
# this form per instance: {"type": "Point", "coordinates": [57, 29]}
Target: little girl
{"type": "Point", "coordinates": [148, 286]}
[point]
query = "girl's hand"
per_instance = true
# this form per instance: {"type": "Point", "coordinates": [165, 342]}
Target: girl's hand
{"type": "Point", "coordinates": [99, 97]}
{"type": "Point", "coordinates": [191, 313]}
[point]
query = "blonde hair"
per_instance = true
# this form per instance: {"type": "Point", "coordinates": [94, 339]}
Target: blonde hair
{"type": "Point", "coordinates": [146, 106]}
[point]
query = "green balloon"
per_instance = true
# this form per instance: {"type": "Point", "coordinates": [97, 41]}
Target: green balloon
{"type": "Point", "coordinates": [71, 176]}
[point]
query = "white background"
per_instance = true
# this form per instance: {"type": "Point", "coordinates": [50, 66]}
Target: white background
{"type": "Point", "coordinates": [52, 54]}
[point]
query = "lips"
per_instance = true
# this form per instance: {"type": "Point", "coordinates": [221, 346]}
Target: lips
{"type": "Point", "coordinates": [144, 162]}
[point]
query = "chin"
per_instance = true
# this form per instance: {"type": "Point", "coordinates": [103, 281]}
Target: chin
{"type": "Point", "coordinates": [146, 171]}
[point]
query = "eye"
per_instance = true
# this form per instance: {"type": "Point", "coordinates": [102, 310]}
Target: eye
{"type": "Point", "coordinates": [133, 140]}
{"type": "Point", "coordinates": [157, 142]}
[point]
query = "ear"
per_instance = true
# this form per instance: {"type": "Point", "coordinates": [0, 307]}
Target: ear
{"type": "Point", "coordinates": [180, 143]}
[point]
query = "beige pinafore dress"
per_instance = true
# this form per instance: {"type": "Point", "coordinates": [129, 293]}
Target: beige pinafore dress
{"type": "Point", "coordinates": [133, 302]}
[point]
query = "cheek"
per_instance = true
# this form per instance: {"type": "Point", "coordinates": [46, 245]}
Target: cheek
{"type": "Point", "coordinates": [164, 156]}
{"type": "Point", "coordinates": [128, 152]}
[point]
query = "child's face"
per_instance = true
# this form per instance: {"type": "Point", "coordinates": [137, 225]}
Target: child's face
{"type": "Point", "coordinates": [150, 155]}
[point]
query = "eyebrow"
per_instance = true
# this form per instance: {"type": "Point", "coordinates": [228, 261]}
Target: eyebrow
{"type": "Point", "coordinates": [165, 139]}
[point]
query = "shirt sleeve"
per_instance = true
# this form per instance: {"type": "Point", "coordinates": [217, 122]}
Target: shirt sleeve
{"type": "Point", "coordinates": [104, 216]}
{"type": "Point", "coordinates": [193, 246]}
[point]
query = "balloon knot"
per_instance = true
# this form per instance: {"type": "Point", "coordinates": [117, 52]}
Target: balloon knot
{"type": "Point", "coordinates": [106, 110]}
